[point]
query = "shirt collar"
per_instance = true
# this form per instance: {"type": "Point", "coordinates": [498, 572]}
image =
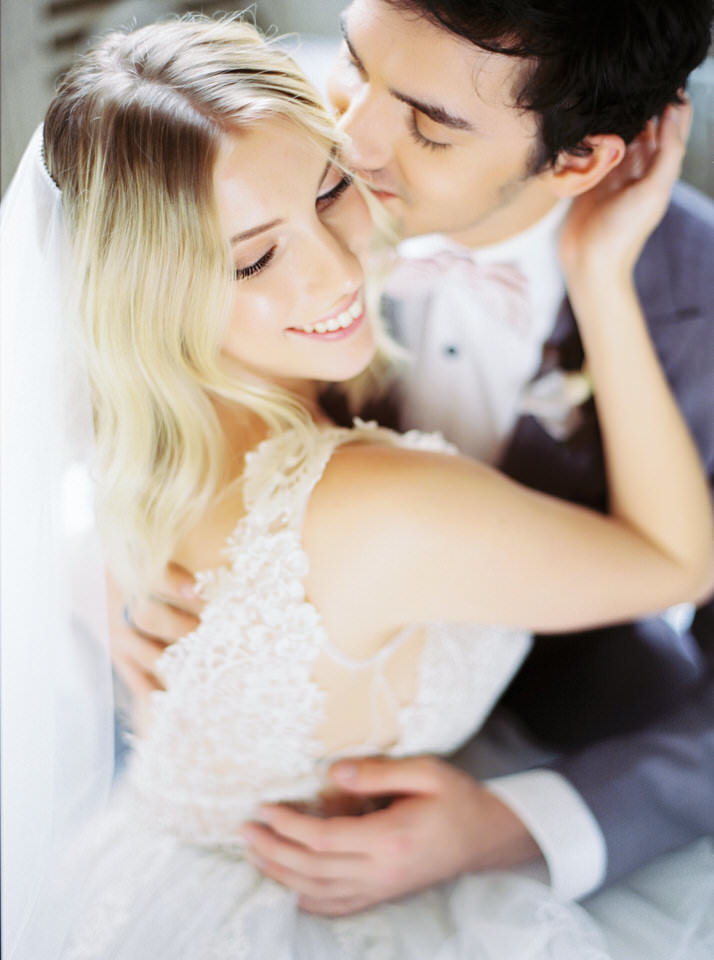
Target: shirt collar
{"type": "Point", "coordinates": [522, 249]}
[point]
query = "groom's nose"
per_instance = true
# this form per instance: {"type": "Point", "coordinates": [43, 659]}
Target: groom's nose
{"type": "Point", "coordinates": [365, 119]}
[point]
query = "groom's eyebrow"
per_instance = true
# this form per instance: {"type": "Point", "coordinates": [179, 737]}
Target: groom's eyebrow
{"type": "Point", "coordinates": [435, 112]}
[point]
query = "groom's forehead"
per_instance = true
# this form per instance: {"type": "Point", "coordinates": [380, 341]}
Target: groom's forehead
{"type": "Point", "coordinates": [421, 56]}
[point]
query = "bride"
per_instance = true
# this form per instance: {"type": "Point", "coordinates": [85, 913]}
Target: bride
{"type": "Point", "coordinates": [365, 592]}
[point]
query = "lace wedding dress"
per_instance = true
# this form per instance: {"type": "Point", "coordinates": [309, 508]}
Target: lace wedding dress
{"type": "Point", "coordinates": [258, 702]}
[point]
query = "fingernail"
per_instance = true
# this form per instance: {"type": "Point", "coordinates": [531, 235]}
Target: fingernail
{"type": "Point", "coordinates": [346, 772]}
{"type": "Point", "coordinates": [247, 834]}
{"type": "Point", "coordinates": [189, 591]}
{"type": "Point", "coordinates": [265, 814]}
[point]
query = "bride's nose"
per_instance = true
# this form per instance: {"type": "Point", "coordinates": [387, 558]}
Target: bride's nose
{"type": "Point", "coordinates": [331, 267]}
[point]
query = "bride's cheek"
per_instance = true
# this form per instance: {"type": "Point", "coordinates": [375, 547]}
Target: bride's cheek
{"type": "Point", "coordinates": [357, 227]}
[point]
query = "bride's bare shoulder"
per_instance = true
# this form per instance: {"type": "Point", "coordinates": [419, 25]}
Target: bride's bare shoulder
{"type": "Point", "coordinates": [367, 529]}
{"type": "Point", "coordinates": [378, 479]}
{"type": "Point", "coordinates": [380, 497]}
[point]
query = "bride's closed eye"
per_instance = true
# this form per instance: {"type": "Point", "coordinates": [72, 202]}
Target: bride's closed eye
{"type": "Point", "coordinates": [323, 202]}
{"type": "Point", "coordinates": [327, 198]}
{"type": "Point", "coordinates": [242, 273]}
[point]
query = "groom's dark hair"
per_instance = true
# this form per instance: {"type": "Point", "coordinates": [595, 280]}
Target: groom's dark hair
{"type": "Point", "coordinates": [590, 66]}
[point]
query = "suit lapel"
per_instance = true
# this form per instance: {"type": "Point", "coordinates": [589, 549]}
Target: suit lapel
{"type": "Point", "coordinates": [573, 469]}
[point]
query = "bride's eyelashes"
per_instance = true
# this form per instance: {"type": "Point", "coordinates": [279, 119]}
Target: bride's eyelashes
{"type": "Point", "coordinates": [334, 193]}
{"type": "Point", "coordinates": [323, 202]}
{"type": "Point", "coordinates": [242, 273]}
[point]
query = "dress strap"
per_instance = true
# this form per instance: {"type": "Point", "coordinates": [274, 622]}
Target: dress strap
{"type": "Point", "coordinates": [282, 471]}
{"type": "Point", "coordinates": [377, 659]}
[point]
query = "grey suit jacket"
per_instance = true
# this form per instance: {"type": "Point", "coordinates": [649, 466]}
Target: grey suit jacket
{"type": "Point", "coordinates": [633, 706]}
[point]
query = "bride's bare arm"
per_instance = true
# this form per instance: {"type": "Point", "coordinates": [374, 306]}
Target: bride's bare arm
{"type": "Point", "coordinates": [396, 536]}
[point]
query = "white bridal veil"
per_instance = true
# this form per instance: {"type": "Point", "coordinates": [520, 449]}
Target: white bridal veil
{"type": "Point", "coordinates": [57, 715]}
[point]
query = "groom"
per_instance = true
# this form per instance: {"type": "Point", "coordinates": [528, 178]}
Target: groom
{"type": "Point", "coordinates": [477, 121]}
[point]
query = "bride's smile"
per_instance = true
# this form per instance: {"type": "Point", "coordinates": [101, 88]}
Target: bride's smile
{"type": "Point", "coordinates": [339, 324]}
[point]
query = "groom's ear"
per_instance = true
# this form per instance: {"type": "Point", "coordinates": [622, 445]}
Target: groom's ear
{"type": "Point", "coordinates": [572, 175]}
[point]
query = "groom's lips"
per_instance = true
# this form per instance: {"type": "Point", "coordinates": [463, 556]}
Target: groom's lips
{"type": "Point", "coordinates": [384, 195]}
{"type": "Point", "coordinates": [380, 193]}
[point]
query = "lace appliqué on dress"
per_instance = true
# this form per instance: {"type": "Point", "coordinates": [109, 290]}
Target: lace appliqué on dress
{"type": "Point", "coordinates": [465, 667]}
{"type": "Point", "coordinates": [235, 725]}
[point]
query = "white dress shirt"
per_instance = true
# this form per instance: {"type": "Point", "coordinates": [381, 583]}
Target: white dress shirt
{"type": "Point", "coordinates": [470, 366]}
{"type": "Point", "coordinates": [469, 372]}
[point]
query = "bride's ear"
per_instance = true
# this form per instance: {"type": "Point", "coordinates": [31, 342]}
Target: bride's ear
{"type": "Point", "coordinates": [573, 175]}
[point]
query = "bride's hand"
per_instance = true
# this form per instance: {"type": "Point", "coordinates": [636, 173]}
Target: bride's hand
{"type": "Point", "coordinates": [608, 226]}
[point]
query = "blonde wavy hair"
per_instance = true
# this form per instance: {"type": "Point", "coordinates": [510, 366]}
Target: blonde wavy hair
{"type": "Point", "coordinates": [131, 139]}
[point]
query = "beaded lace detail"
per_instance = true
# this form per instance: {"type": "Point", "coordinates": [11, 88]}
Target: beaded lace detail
{"type": "Point", "coordinates": [236, 724]}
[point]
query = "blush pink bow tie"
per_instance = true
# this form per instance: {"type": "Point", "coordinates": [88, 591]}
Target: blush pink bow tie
{"type": "Point", "coordinates": [500, 287]}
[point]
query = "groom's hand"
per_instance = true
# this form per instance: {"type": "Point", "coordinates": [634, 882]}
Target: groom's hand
{"type": "Point", "coordinates": [140, 631]}
{"type": "Point", "coordinates": [440, 823]}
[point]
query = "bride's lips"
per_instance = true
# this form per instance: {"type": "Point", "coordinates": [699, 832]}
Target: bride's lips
{"type": "Point", "coordinates": [336, 325]}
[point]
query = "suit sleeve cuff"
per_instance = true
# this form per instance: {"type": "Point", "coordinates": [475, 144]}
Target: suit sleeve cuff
{"type": "Point", "coordinates": [562, 825]}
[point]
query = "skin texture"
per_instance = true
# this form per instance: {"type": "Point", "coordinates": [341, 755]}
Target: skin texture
{"type": "Point", "coordinates": [475, 189]}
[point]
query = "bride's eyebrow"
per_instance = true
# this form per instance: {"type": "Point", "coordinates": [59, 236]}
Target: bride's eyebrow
{"type": "Point", "coordinates": [254, 231]}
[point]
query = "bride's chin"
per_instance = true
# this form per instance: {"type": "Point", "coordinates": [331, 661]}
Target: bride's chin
{"type": "Point", "coordinates": [352, 367]}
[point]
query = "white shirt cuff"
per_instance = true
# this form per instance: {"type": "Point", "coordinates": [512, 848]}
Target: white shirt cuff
{"type": "Point", "coordinates": [562, 825]}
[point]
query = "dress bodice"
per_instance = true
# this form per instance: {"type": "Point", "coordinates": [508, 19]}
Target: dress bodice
{"type": "Point", "coordinates": [253, 692]}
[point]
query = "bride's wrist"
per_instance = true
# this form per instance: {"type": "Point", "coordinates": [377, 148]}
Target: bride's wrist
{"type": "Point", "coordinates": [597, 267]}
{"type": "Point", "coordinates": [599, 283]}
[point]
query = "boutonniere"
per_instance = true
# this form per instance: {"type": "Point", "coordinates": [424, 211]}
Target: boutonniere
{"type": "Point", "coordinates": [555, 399]}
{"type": "Point", "coordinates": [578, 386]}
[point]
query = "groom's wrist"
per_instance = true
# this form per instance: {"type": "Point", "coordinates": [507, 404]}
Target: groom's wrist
{"type": "Point", "coordinates": [562, 825]}
{"type": "Point", "coordinates": [502, 838]}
